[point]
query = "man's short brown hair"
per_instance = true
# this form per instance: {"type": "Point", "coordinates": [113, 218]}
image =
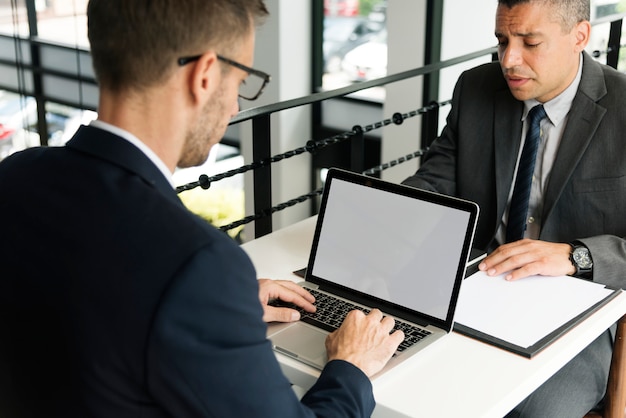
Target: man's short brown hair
{"type": "Point", "coordinates": [135, 43]}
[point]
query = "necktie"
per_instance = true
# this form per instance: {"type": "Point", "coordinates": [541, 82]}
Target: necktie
{"type": "Point", "coordinates": [518, 211]}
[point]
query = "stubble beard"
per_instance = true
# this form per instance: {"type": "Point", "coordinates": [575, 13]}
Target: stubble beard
{"type": "Point", "coordinates": [206, 133]}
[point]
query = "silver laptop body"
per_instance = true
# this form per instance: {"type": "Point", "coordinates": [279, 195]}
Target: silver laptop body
{"type": "Point", "coordinates": [384, 245]}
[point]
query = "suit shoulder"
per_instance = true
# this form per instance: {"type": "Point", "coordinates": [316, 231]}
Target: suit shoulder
{"type": "Point", "coordinates": [614, 78]}
{"type": "Point", "coordinates": [487, 70]}
{"type": "Point", "coordinates": [485, 77]}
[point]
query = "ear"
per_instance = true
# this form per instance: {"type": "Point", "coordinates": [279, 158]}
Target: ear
{"type": "Point", "coordinates": [204, 76]}
{"type": "Point", "coordinates": [582, 31]}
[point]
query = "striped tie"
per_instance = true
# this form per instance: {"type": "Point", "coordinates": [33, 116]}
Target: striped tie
{"type": "Point", "coordinates": [518, 211]}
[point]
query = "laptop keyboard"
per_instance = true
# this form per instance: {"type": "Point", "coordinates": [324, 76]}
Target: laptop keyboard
{"type": "Point", "coordinates": [331, 312]}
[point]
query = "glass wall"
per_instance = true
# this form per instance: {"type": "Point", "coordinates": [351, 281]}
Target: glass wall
{"type": "Point", "coordinates": [61, 21]}
{"type": "Point", "coordinates": [355, 38]}
{"type": "Point", "coordinates": [50, 36]}
{"type": "Point", "coordinates": [354, 44]}
{"type": "Point", "coordinates": [600, 9]}
{"type": "Point", "coordinates": [19, 122]}
{"type": "Point", "coordinates": [47, 87]}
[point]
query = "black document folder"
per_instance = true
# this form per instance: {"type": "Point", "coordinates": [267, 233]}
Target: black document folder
{"type": "Point", "coordinates": [549, 336]}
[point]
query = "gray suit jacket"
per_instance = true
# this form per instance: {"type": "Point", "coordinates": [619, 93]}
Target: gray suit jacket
{"type": "Point", "coordinates": [475, 156]}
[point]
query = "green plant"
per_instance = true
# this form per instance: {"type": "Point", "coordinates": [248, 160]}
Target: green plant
{"type": "Point", "coordinates": [218, 206]}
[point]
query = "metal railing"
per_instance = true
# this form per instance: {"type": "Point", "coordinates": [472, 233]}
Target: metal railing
{"type": "Point", "coordinates": [261, 127]}
{"type": "Point", "coordinates": [26, 60]}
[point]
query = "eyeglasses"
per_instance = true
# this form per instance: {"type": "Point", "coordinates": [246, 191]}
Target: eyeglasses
{"type": "Point", "coordinates": [251, 88]}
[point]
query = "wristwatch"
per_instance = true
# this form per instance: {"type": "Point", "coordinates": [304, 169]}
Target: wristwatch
{"type": "Point", "coordinates": [581, 259]}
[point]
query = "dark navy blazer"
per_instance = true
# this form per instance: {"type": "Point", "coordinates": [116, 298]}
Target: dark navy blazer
{"type": "Point", "coordinates": [116, 301]}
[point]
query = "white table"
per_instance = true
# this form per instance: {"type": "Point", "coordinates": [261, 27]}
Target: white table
{"type": "Point", "coordinates": [455, 377]}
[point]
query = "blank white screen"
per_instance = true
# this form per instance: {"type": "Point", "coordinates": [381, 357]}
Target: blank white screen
{"type": "Point", "coordinates": [394, 247]}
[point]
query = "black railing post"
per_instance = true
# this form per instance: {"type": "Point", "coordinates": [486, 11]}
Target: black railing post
{"type": "Point", "coordinates": [261, 151]}
{"type": "Point", "coordinates": [35, 52]}
{"type": "Point", "coordinates": [615, 35]}
{"type": "Point", "coordinates": [430, 125]}
{"type": "Point", "coordinates": [357, 150]}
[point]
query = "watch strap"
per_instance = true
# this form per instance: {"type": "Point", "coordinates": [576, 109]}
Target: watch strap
{"type": "Point", "coordinates": [582, 272]}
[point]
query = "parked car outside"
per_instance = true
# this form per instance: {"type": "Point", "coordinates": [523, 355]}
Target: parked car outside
{"type": "Point", "coordinates": [16, 113]}
{"type": "Point", "coordinates": [341, 7]}
{"type": "Point", "coordinates": [342, 34]}
{"type": "Point", "coordinates": [64, 121]}
{"type": "Point", "coordinates": [367, 61]}
{"type": "Point", "coordinates": [18, 122]}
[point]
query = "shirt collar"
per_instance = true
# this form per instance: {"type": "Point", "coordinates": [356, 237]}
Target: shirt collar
{"type": "Point", "coordinates": [138, 143]}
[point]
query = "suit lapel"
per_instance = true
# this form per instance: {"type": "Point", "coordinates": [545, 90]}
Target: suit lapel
{"type": "Point", "coordinates": [507, 134]}
{"type": "Point", "coordinates": [117, 151]}
{"type": "Point", "coordinates": [582, 122]}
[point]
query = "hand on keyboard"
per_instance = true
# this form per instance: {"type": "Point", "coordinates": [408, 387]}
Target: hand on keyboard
{"type": "Point", "coordinates": [331, 313]}
{"type": "Point", "coordinates": [367, 341]}
{"type": "Point", "coordinates": [294, 299]}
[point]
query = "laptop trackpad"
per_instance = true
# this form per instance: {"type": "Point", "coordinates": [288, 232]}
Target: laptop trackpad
{"type": "Point", "coordinates": [303, 342]}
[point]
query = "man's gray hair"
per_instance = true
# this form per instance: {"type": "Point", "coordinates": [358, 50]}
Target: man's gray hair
{"type": "Point", "coordinates": [570, 12]}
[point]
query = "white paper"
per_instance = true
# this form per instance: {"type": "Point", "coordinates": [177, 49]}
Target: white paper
{"type": "Point", "coordinates": [524, 311]}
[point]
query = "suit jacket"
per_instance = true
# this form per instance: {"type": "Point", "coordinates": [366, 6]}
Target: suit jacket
{"type": "Point", "coordinates": [116, 301]}
{"type": "Point", "coordinates": [475, 157]}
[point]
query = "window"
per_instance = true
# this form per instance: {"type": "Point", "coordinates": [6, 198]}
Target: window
{"type": "Point", "coordinates": [65, 86]}
{"type": "Point", "coordinates": [354, 44]}
{"type": "Point", "coordinates": [13, 17]}
{"type": "Point", "coordinates": [599, 39]}
{"type": "Point", "coordinates": [63, 21]}
{"type": "Point", "coordinates": [17, 112]}
{"type": "Point", "coordinates": [19, 123]}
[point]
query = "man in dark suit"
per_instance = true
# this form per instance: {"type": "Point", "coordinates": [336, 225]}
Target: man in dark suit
{"type": "Point", "coordinates": [115, 300]}
{"type": "Point", "coordinates": [575, 223]}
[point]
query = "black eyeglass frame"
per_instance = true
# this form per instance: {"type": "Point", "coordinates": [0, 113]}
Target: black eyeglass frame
{"type": "Point", "coordinates": [265, 76]}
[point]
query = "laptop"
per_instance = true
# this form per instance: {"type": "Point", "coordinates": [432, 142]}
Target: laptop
{"type": "Point", "coordinates": [382, 245]}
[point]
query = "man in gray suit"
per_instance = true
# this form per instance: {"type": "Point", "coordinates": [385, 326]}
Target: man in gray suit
{"type": "Point", "coordinates": [575, 222]}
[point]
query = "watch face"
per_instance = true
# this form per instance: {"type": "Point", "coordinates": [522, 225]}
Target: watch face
{"type": "Point", "coordinates": [582, 258]}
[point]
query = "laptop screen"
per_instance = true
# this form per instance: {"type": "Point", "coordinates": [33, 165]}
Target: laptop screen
{"type": "Point", "coordinates": [393, 246]}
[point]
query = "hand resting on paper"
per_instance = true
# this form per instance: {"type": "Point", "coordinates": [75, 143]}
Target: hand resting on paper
{"type": "Point", "coordinates": [529, 257]}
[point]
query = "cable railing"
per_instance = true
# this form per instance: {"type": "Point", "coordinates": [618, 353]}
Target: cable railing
{"type": "Point", "coordinates": [261, 128]}
{"type": "Point", "coordinates": [397, 118]}
{"type": "Point", "coordinates": [26, 60]}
